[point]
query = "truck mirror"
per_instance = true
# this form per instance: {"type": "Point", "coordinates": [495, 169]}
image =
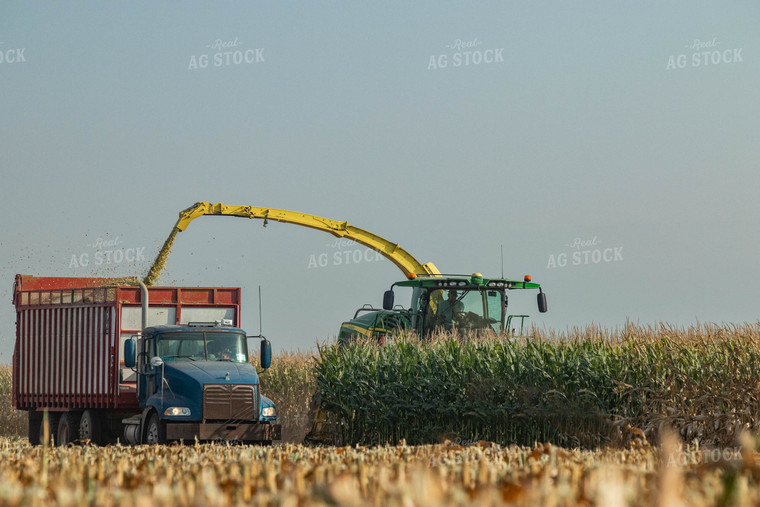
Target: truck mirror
{"type": "Point", "coordinates": [266, 353]}
{"type": "Point", "coordinates": [129, 353]}
{"type": "Point", "coordinates": [388, 300]}
{"type": "Point", "coordinates": [542, 302]}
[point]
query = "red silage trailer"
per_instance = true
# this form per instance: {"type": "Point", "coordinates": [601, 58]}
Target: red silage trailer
{"type": "Point", "coordinates": [70, 335]}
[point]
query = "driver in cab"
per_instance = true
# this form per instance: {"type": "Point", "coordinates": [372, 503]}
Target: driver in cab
{"type": "Point", "coordinates": [223, 352]}
{"type": "Point", "coordinates": [449, 310]}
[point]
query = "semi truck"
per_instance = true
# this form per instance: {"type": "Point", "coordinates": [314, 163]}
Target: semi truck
{"type": "Point", "coordinates": [103, 359]}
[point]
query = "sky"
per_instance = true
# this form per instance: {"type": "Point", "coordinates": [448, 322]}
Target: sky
{"type": "Point", "coordinates": [609, 148]}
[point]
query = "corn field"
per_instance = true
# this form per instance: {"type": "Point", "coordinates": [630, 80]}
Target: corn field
{"type": "Point", "coordinates": [12, 421]}
{"type": "Point", "coordinates": [587, 388]}
{"type": "Point", "coordinates": [290, 384]}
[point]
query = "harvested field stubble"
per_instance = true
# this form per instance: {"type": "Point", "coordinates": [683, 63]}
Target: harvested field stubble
{"type": "Point", "coordinates": [443, 474]}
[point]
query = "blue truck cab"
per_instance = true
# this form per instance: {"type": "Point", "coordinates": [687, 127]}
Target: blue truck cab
{"type": "Point", "coordinates": [196, 382]}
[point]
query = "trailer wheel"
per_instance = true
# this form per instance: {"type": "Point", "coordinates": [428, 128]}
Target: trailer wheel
{"type": "Point", "coordinates": [37, 427]}
{"type": "Point", "coordinates": [89, 428]}
{"type": "Point", "coordinates": [154, 431]}
{"type": "Point", "coordinates": [68, 429]}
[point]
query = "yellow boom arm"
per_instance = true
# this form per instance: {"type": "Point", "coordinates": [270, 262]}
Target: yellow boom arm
{"type": "Point", "coordinates": [391, 251]}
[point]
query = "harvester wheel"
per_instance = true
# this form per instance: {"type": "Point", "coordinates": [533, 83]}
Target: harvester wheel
{"type": "Point", "coordinates": [321, 429]}
{"type": "Point", "coordinates": [311, 437]}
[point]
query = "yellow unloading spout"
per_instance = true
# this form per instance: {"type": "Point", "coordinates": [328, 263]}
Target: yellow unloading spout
{"type": "Point", "coordinates": [410, 266]}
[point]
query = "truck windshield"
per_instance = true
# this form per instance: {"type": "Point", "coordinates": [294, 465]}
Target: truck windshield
{"type": "Point", "coordinates": [464, 310]}
{"type": "Point", "coordinates": [202, 346]}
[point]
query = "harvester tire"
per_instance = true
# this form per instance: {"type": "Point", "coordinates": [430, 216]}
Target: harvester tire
{"type": "Point", "coordinates": [321, 429]}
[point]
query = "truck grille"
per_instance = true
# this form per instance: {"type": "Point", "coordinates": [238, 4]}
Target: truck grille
{"type": "Point", "coordinates": [225, 402]}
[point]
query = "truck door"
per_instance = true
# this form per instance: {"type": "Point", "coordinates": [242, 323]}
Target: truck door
{"type": "Point", "coordinates": [146, 381]}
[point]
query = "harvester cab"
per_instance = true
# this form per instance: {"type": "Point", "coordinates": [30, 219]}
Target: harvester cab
{"type": "Point", "coordinates": [445, 303]}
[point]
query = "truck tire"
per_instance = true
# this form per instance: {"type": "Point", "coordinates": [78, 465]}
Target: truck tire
{"type": "Point", "coordinates": [37, 424]}
{"type": "Point", "coordinates": [68, 429]}
{"type": "Point", "coordinates": [35, 427]}
{"type": "Point", "coordinates": [89, 428]}
{"type": "Point", "coordinates": [154, 431]}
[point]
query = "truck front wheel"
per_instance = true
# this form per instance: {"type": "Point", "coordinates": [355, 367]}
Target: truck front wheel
{"type": "Point", "coordinates": [154, 431]}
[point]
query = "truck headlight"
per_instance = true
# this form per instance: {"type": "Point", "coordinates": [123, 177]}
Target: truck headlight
{"type": "Point", "coordinates": [177, 411]}
{"type": "Point", "coordinates": [268, 412]}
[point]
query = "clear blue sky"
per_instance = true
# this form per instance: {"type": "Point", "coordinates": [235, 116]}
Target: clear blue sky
{"type": "Point", "coordinates": [575, 129]}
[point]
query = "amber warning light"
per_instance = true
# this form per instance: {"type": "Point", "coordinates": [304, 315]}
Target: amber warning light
{"type": "Point", "coordinates": [527, 278]}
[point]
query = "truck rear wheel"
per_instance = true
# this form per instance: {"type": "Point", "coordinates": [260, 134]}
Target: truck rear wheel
{"type": "Point", "coordinates": [154, 431]}
{"type": "Point", "coordinates": [89, 428]}
{"type": "Point", "coordinates": [68, 429]}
